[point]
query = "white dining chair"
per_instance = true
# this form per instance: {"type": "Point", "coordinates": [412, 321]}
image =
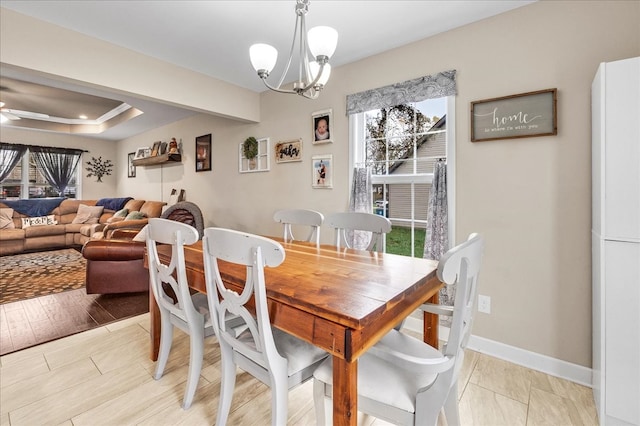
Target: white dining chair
{"type": "Point", "coordinates": [274, 357]}
{"type": "Point", "coordinates": [177, 306]}
{"type": "Point", "coordinates": [405, 381]}
{"type": "Point", "coordinates": [345, 223]}
{"type": "Point", "coordinates": [302, 217]}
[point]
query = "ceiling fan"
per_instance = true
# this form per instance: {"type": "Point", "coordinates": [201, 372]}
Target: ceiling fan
{"type": "Point", "coordinates": [6, 114]}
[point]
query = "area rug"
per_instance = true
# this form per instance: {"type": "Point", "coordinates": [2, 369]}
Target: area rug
{"type": "Point", "coordinates": [42, 298]}
{"type": "Point", "coordinates": [28, 275]}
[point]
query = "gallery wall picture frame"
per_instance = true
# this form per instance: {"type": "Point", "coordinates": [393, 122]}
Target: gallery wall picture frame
{"type": "Point", "coordinates": [155, 150]}
{"type": "Point", "coordinates": [322, 171]}
{"type": "Point", "coordinates": [523, 115]}
{"type": "Point", "coordinates": [131, 169]}
{"type": "Point", "coordinates": [322, 126]}
{"type": "Point", "coordinates": [142, 152]}
{"type": "Point", "coordinates": [261, 162]}
{"type": "Point", "coordinates": [288, 151]}
{"type": "Point", "coordinates": [203, 153]}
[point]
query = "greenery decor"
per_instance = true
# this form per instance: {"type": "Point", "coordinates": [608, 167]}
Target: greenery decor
{"type": "Point", "coordinates": [99, 168]}
{"type": "Point", "coordinates": [250, 148]}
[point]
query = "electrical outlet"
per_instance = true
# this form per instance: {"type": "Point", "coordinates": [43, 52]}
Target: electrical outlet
{"type": "Point", "coordinates": [484, 304]}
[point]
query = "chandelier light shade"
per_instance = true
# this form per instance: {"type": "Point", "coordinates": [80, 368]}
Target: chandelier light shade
{"type": "Point", "coordinates": [263, 57]}
{"type": "Point", "coordinates": [313, 73]}
{"type": "Point", "coordinates": [322, 41]}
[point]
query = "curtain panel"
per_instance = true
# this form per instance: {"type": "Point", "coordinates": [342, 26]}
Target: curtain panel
{"type": "Point", "coordinates": [436, 241]}
{"type": "Point", "coordinates": [361, 200]}
{"type": "Point", "coordinates": [416, 90]}
{"type": "Point", "coordinates": [58, 165]}
{"type": "Point", "coordinates": [10, 155]}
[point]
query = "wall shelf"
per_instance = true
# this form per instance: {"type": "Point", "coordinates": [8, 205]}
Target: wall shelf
{"type": "Point", "coordinates": [158, 159]}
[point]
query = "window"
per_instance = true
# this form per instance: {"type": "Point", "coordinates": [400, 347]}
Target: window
{"type": "Point", "coordinates": [400, 144]}
{"type": "Point", "coordinates": [27, 180]}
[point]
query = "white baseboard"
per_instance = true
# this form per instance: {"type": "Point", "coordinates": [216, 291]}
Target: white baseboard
{"type": "Point", "coordinates": [543, 363]}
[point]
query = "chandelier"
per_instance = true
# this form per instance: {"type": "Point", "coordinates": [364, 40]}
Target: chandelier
{"type": "Point", "coordinates": [313, 74]}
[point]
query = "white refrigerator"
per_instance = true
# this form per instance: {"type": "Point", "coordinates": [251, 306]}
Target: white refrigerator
{"type": "Point", "coordinates": [615, 108]}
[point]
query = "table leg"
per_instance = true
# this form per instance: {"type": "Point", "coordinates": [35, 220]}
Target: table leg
{"type": "Point", "coordinates": [430, 324]}
{"type": "Point", "coordinates": [345, 392]}
{"type": "Point", "coordinates": [154, 327]}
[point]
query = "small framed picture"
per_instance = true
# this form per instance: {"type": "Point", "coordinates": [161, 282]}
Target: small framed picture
{"type": "Point", "coordinates": [259, 155]}
{"type": "Point", "coordinates": [203, 153]}
{"type": "Point", "coordinates": [288, 151]}
{"type": "Point", "coordinates": [143, 152]}
{"type": "Point", "coordinates": [155, 150]}
{"type": "Point", "coordinates": [322, 171]}
{"type": "Point", "coordinates": [131, 169]}
{"type": "Point", "coordinates": [322, 122]}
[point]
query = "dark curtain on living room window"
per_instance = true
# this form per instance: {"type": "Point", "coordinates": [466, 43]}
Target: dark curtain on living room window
{"type": "Point", "coordinates": [10, 155]}
{"type": "Point", "coordinates": [57, 164]}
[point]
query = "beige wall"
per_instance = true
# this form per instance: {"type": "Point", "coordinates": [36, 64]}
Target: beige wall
{"type": "Point", "coordinates": [536, 219]}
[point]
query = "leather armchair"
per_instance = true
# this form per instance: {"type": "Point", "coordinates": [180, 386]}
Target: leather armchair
{"type": "Point", "coordinates": [116, 264]}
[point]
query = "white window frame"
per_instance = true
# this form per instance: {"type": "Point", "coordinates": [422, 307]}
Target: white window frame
{"type": "Point", "coordinates": [357, 156]}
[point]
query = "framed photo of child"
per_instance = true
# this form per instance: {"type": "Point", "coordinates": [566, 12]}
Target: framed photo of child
{"type": "Point", "coordinates": [322, 171]}
{"type": "Point", "coordinates": [322, 122]}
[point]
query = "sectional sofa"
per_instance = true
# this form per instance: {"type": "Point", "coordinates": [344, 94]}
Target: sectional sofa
{"type": "Point", "coordinates": [39, 224]}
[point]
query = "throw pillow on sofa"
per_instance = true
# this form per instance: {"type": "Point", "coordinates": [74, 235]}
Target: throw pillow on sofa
{"type": "Point", "coordinates": [39, 221]}
{"type": "Point", "coordinates": [88, 214]}
{"type": "Point", "coordinates": [121, 213]}
{"type": "Point", "coordinates": [118, 216]}
{"type": "Point", "coordinates": [135, 216]}
{"type": "Point", "coordinates": [6, 219]}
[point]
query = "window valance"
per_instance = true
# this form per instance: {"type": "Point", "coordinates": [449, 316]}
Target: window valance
{"type": "Point", "coordinates": [416, 90]}
{"type": "Point", "coordinates": [55, 150]}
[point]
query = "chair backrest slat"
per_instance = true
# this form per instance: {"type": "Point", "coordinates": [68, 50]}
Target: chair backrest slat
{"type": "Point", "coordinates": [348, 223]}
{"type": "Point", "coordinates": [310, 218]}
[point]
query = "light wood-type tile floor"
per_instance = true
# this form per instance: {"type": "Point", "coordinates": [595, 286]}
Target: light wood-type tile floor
{"type": "Point", "coordinates": [103, 377]}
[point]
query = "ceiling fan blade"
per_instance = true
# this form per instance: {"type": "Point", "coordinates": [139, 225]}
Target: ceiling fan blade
{"type": "Point", "coordinates": [9, 116]}
{"type": "Point", "coordinates": [26, 114]}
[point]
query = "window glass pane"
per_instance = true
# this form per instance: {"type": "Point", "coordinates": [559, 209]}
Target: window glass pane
{"type": "Point", "coordinates": [433, 109]}
{"type": "Point", "coordinates": [38, 186]}
{"type": "Point", "coordinates": [372, 124]}
{"type": "Point", "coordinates": [10, 188]}
{"type": "Point", "coordinates": [406, 206]}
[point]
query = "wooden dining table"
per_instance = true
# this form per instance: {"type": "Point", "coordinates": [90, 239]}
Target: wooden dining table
{"type": "Point", "coordinates": [341, 300]}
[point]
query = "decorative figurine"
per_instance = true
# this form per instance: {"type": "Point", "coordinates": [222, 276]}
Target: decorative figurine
{"type": "Point", "coordinates": [173, 146]}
